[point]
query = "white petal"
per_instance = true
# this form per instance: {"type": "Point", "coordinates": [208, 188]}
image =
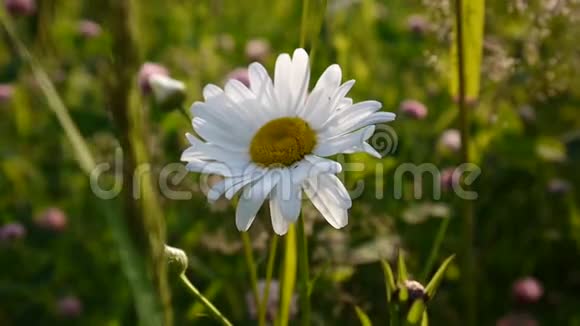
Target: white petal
{"type": "Point", "coordinates": [221, 135]}
{"type": "Point", "coordinates": [237, 91]}
{"type": "Point", "coordinates": [330, 78]}
{"type": "Point", "coordinates": [289, 203]}
{"type": "Point", "coordinates": [312, 166]}
{"type": "Point", "coordinates": [300, 79]}
{"type": "Point", "coordinates": [219, 168]}
{"type": "Point", "coordinates": [324, 197]}
{"type": "Point", "coordinates": [249, 175]}
{"type": "Point", "coordinates": [279, 223]}
{"type": "Point", "coordinates": [252, 199]}
{"type": "Point", "coordinates": [343, 143]}
{"type": "Point", "coordinates": [210, 91]}
{"type": "Point", "coordinates": [365, 148]}
{"type": "Point", "coordinates": [317, 107]}
{"type": "Point", "coordinates": [206, 151]}
{"type": "Point", "coordinates": [282, 74]}
{"type": "Point", "coordinates": [217, 190]}
{"type": "Point", "coordinates": [261, 85]}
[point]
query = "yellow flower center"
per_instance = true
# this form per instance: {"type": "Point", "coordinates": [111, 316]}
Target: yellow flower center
{"type": "Point", "coordinates": [283, 141]}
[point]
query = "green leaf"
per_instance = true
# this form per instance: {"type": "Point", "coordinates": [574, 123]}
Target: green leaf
{"type": "Point", "coordinates": [363, 317]}
{"type": "Point", "coordinates": [390, 284]}
{"type": "Point", "coordinates": [431, 288]}
{"type": "Point", "coordinates": [425, 320]}
{"type": "Point", "coordinates": [473, 22]}
{"type": "Point", "coordinates": [416, 312]}
{"type": "Point", "coordinates": [402, 269]}
{"type": "Point", "coordinates": [402, 277]}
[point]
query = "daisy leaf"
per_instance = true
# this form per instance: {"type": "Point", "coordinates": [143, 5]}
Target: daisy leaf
{"type": "Point", "coordinates": [433, 284]}
{"type": "Point", "coordinates": [416, 312]}
{"type": "Point", "coordinates": [362, 317]}
{"type": "Point", "coordinates": [390, 284]}
{"type": "Point", "coordinates": [401, 277]}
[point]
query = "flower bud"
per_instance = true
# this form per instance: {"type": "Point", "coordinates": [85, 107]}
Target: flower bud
{"type": "Point", "coordinates": [527, 290]}
{"type": "Point", "coordinates": [89, 29]}
{"type": "Point", "coordinates": [257, 50]}
{"type": "Point", "coordinates": [450, 140]}
{"type": "Point", "coordinates": [20, 7]}
{"type": "Point", "coordinates": [6, 92]}
{"type": "Point", "coordinates": [147, 70]}
{"type": "Point", "coordinates": [176, 259]}
{"type": "Point", "coordinates": [12, 232]}
{"type": "Point", "coordinates": [69, 307]}
{"type": "Point", "coordinates": [416, 290]}
{"type": "Point", "coordinates": [446, 179]}
{"type": "Point", "coordinates": [52, 219]}
{"type": "Point", "coordinates": [417, 24]}
{"type": "Point", "coordinates": [168, 93]}
{"type": "Point", "coordinates": [558, 186]}
{"type": "Point", "coordinates": [240, 74]}
{"type": "Point", "coordinates": [413, 109]}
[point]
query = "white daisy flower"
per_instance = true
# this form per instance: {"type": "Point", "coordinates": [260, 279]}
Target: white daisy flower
{"type": "Point", "coordinates": [270, 140]}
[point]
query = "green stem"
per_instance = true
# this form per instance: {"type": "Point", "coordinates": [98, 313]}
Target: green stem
{"type": "Point", "coordinates": [303, 272]}
{"type": "Point", "coordinates": [269, 271]}
{"type": "Point", "coordinates": [288, 276]}
{"type": "Point", "coordinates": [304, 23]}
{"type": "Point", "coordinates": [435, 249]}
{"type": "Point", "coordinates": [55, 103]}
{"type": "Point", "coordinates": [250, 263]}
{"type": "Point", "coordinates": [394, 319]}
{"type": "Point", "coordinates": [468, 218]}
{"type": "Point", "coordinates": [215, 313]}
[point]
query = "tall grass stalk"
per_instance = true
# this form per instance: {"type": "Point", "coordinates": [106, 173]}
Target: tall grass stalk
{"type": "Point", "coordinates": [470, 281]}
{"type": "Point", "coordinates": [143, 214]}
{"type": "Point", "coordinates": [130, 252]}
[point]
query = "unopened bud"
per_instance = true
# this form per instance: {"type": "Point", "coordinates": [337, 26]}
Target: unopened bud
{"type": "Point", "coordinates": [417, 24]}
{"type": "Point", "coordinates": [147, 70]}
{"type": "Point", "coordinates": [20, 7]}
{"type": "Point", "coordinates": [168, 92]}
{"type": "Point", "coordinates": [416, 290]}
{"type": "Point", "coordinates": [53, 219]}
{"type": "Point", "coordinates": [257, 50]}
{"type": "Point", "coordinates": [89, 29]}
{"type": "Point", "coordinates": [450, 140]}
{"type": "Point", "coordinates": [6, 92]}
{"type": "Point", "coordinates": [12, 232]}
{"type": "Point", "coordinates": [559, 186]}
{"type": "Point", "coordinates": [413, 109]}
{"type": "Point", "coordinates": [176, 259]}
{"type": "Point", "coordinates": [527, 290]}
{"type": "Point", "coordinates": [69, 307]}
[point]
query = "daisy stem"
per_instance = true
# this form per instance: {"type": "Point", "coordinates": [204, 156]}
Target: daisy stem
{"type": "Point", "coordinates": [303, 272]}
{"type": "Point", "coordinates": [468, 214]}
{"type": "Point", "coordinates": [215, 313]}
{"type": "Point", "coordinates": [269, 270]}
{"type": "Point", "coordinates": [288, 276]}
{"type": "Point", "coordinates": [248, 254]}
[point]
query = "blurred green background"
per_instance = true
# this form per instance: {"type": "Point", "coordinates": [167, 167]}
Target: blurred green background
{"type": "Point", "coordinates": [61, 266]}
